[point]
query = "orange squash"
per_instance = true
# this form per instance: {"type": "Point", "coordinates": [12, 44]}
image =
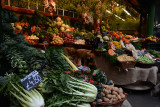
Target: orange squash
{"type": "Point", "coordinates": [111, 52]}
{"type": "Point", "coordinates": [126, 40]}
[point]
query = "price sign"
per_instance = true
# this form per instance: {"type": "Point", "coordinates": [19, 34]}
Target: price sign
{"type": "Point", "coordinates": [31, 80]}
{"type": "Point", "coordinates": [101, 45]}
{"type": "Point", "coordinates": [83, 68]}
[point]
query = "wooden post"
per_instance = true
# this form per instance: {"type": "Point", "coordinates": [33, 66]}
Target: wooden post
{"type": "Point", "coordinates": [9, 3]}
{"type": "Point", "coordinates": [28, 4]}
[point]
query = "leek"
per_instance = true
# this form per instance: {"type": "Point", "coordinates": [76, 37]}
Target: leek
{"type": "Point", "coordinates": [74, 68]}
{"type": "Point", "coordinates": [28, 98]}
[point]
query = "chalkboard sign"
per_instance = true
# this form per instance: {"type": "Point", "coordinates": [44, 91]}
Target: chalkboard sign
{"type": "Point", "coordinates": [83, 68]}
{"type": "Point", "coordinates": [31, 80]}
{"type": "Point", "coordinates": [101, 45]}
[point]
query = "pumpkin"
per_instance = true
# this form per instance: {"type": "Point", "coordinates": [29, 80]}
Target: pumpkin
{"type": "Point", "coordinates": [111, 52]}
{"type": "Point", "coordinates": [126, 40]}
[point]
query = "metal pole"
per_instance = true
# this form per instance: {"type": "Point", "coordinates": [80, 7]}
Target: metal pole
{"type": "Point", "coordinates": [1, 37]}
{"type": "Point", "coordinates": [150, 20]}
{"type": "Point", "coordinates": [140, 26]}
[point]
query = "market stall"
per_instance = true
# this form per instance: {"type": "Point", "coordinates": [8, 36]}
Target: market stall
{"type": "Point", "coordinates": [78, 55]}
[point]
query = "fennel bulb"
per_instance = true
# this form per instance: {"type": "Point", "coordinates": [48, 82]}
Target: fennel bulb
{"type": "Point", "coordinates": [28, 98]}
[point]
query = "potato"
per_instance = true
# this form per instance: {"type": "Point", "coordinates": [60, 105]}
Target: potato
{"type": "Point", "coordinates": [122, 95]}
{"type": "Point", "coordinates": [111, 87]}
{"type": "Point", "coordinates": [103, 94]}
{"type": "Point", "coordinates": [115, 99]}
{"type": "Point", "coordinates": [105, 86]}
{"type": "Point", "coordinates": [105, 99]}
{"type": "Point", "coordinates": [109, 91]}
{"type": "Point", "coordinates": [114, 93]}
{"type": "Point", "coordinates": [116, 89]}
{"type": "Point", "coordinates": [113, 96]}
{"type": "Point", "coordinates": [106, 91]}
{"type": "Point", "coordinates": [100, 100]}
{"type": "Point", "coordinates": [111, 100]}
{"type": "Point", "coordinates": [119, 97]}
{"type": "Point", "coordinates": [121, 90]}
{"type": "Point", "coordinates": [109, 96]}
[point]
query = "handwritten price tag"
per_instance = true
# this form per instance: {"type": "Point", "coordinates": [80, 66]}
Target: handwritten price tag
{"type": "Point", "coordinates": [31, 80]}
{"type": "Point", "coordinates": [83, 68]}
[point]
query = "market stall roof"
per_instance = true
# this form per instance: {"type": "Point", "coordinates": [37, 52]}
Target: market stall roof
{"type": "Point", "coordinates": [142, 6]}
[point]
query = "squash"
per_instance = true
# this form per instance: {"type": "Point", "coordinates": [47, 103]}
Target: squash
{"type": "Point", "coordinates": [111, 52]}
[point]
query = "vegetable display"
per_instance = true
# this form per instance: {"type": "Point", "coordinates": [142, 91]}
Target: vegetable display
{"type": "Point", "coordinates": [125, 57]}
{"type": "Point", "coordinates": [68, 38]}
{"type": "Point", "coordinates": [56, 40]}
{"type": "Point", "coordinates": [155, 53]}
{"type": "Point", "coordinates": [66, 84]}
{"type": "Point", "coordinates": [110, 94]}
{"type": "Point", "coordinates": [117, 44]}
{"type": "Point", "coordinates": [145, 59]}
{"type": "Point", "coordinates": [28, 99]}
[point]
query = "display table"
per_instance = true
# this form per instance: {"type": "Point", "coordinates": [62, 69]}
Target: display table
{"type": "Point", "coordinates": [123, 77]}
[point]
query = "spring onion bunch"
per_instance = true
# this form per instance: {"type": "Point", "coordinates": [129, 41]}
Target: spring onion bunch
{"type": "Point", "coordinates": [28, 98]}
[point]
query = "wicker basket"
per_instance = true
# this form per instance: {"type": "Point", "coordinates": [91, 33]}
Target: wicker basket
{"type": "Point", "coordinates": [145, 65]}
{"type": "Point", "coordinates": [127, 64]}
{"type": "Point", "coordinates": [114, 104]}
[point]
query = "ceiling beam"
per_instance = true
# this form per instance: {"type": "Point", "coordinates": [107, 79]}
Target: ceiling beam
{"type": "Point", "coordinates": [138, 10]}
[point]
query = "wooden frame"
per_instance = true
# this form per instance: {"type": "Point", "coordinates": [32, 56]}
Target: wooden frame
{"type": "Point", "coordinates": [29, 11]}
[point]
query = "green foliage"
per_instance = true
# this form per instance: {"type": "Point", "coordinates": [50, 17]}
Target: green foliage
{"type": "Point", "coordinates": [130, 23]}
{"type": "Point", "coordinates": [111, 59]}
{"type": "Point", "coordinates": [15, 50]}
{"type": "Point", "coordinates": [54, 59]}
{"type": "Point", "coordinates": [155, 53]}
{"type": "Point", "coordinates": [98, 76]}
{"type": "Point", "coordinates": [138, 46]}
{"type": "Point", "coordinates": [67, 4]}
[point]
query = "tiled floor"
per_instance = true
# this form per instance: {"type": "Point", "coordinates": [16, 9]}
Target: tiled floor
{"type": "Point", "coordinates": [142, 99]}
